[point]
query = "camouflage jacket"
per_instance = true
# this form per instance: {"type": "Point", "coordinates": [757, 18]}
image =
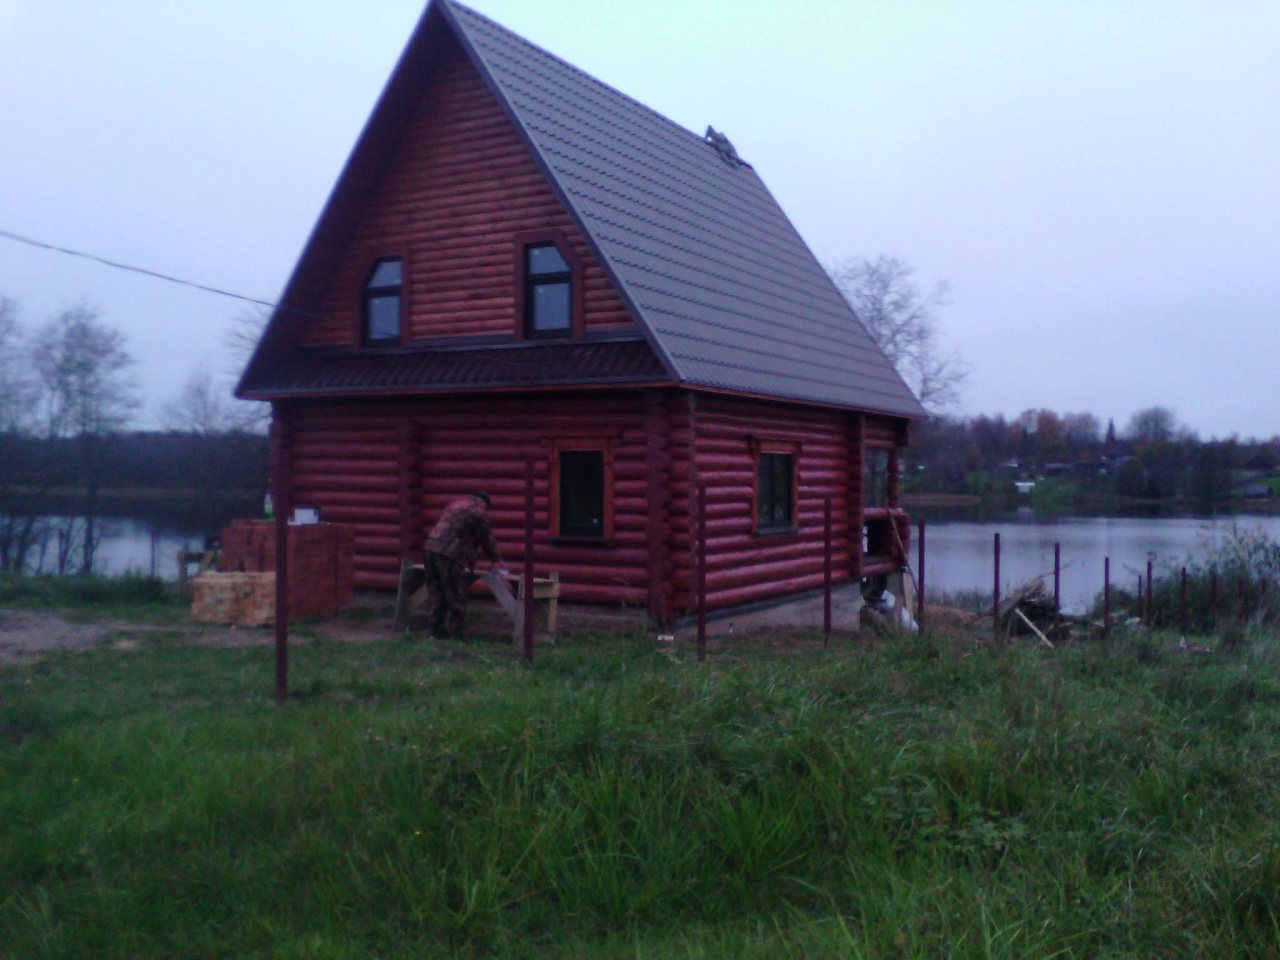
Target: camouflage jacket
{"type": "Point", "coordinates": [462, 532]}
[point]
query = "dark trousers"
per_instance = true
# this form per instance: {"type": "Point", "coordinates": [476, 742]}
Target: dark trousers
{"type": "Point", "coordinates": [446, 595]}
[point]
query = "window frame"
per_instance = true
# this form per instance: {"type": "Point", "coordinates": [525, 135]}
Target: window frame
{"type": "Point", "coordinates": [871, 452]}
{"type": "Point", "coordinates": [599, 443]}
{"type": "Point", "coordinates": [760, 448]}
{"type": "Point", "coordinates": [524, 283]}
{"type": "Point", "coordinates": [369, 293]}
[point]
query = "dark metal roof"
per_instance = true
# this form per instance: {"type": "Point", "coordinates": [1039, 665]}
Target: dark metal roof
{"type": "Point", "coordinates": [726, 292]}
{"type": "Point", "coordinates": [412, 370]}
{"type": "Point", "coordinates": [711, 265]}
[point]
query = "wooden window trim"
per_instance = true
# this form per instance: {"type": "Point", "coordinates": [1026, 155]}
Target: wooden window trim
{"type": "Point", "coordinates": [525, 239]}
{"type": "Point", "coordinates": [893, 472]}
{"type": "Point", "coordinates": [787, 447]}
{"type": "Point", "coordinates": [603, 443]}
{"type": "Point", "coordinates": [362, 320]}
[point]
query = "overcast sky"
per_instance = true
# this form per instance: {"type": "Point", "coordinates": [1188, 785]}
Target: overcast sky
{"type": "Point", "coordinates": [1098, 182]}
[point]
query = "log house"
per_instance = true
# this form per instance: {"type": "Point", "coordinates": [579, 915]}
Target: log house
{"type": "Point", "coordinates": [519, 261]}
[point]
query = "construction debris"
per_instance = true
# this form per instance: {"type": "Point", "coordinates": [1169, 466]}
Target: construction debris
{"type": "Point", "coordinates": [245, 599]}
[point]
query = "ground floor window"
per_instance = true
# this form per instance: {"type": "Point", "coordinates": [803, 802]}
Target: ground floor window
{"type": "Point", "coordinates": [582, 489]}
{"type": "Point", "coordinates": [775, 482]}
{"type": "Point", "coordinates": [775, 490]}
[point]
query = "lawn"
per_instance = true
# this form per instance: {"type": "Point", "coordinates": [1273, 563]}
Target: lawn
{"type": "Point", "coordinates": [919, 798]}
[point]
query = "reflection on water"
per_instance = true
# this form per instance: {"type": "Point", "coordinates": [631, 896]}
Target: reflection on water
{"type": "Point", "coordinates": [959, 555]}
{"type": "Point", "coordinates": [145, 537]}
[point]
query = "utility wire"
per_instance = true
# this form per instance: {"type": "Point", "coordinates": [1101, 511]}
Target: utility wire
{"type": "Point", "coordinates": [116, 265]}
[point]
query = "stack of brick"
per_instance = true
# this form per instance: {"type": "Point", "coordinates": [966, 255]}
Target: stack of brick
{"type": "Point", "coordinates": [247, 599]}
{"type": "Point", "coordinates": [321, 561]}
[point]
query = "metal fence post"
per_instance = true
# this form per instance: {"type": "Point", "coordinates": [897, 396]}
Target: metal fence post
{"type": "Point", "coordinates": [920, 571]}
{"type": "Point", "coordinates": [528, 563]}
{"type": "Point", "coordinates": [702, 572]}
{"type": "Point", "coordinates": [1185, 610]}
{"type": "Point", "coordinates": [1106, 596]}
{"type": "Point", "coordinates": [1151, 610]}
{"type": "Point", "coordinates": [1213, 600]}
{"type": "Point", "coordinates": [826, 572]}
{"type": "Point", "coordinates": [1057, 583]}
{"type": "Point", "coordinates": [995, 593]}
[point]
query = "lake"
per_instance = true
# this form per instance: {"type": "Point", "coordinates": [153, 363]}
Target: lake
{"type": "Point", "coordinates": [959, 552]}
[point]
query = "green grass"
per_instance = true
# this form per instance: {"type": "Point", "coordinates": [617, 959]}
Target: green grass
{"type": "Point", "coordinates": [913, 799]}
{"type": "Point", "coordinates": [93, 597]}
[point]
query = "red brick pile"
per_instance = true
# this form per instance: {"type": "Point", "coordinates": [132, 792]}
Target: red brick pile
{"type": "Point", "coordinates": [321, 561]}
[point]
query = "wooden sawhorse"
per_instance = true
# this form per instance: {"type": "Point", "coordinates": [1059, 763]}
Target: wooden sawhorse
{"type": "Point", "coordinates": [546, 599]}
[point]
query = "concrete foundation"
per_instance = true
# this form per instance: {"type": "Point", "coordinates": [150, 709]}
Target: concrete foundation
{"type": "Point", "coordinates": [802, 612]}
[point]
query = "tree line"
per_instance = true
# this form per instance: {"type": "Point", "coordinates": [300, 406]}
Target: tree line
{"type": "Point", "coordinates": [1075, 460]}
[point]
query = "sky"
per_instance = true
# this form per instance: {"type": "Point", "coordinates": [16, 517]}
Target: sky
{"type": "Point", "coordinates": [1098, 182]}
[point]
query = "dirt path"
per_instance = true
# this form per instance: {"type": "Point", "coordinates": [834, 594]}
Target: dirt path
{"type": "Point", "coordinates": [29, 634]}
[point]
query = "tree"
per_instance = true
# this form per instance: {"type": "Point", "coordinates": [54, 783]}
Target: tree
{"type": "Point", "coordinates": [240, 341]}
{"type": "Point", "coordinates": [15, 375]}
{"type": "Point", "coordinates": [204, 406]}
{"type": "Point", "coordinates": [1152, 425]}
{"type": "Point", "coordinates": [87, 394]}
{"type": "Point", "coordinates": [19, 524]}
{"type": "Point", "coordinates": [213, 427]}
{"type": "Point", "coordinates": [902, 318]}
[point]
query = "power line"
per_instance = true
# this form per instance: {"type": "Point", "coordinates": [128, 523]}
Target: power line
{"type": "Point", "coordinates": [116, 265]}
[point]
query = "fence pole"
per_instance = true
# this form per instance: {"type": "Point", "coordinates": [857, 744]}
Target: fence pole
{"type": "Point", "coordinates": [826, 572]}
{"type": "Point", "coordinates": [283, 483]}
{"type": "Point", "coordinates": [920, 572]}
{"type": "Point", "coordinates": [702, 572]}
{"type": "Point", "coordinates": [1213, 600]}
{"type": "Point", "coordinates": [1240, 592]}
{"type": "Point", "coordinates": [1057, 583]}
{"type": "Point", "coordinates": [1185, 611]}
{"type": "Point", "coordinates": [995, 593]}
{"type": "Point", "coordinates": [1106, 596]}
{"type": "Point", "coordinates": [1151, 610]}
{"type": "Point", "coordinates": [527, 614]}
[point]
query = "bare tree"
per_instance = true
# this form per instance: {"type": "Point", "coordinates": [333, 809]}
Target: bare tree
{"type": "Point", "coordinates": [20, 524]}
{"type": "Point", "coordinates": [204, 406]}
{"type": "Point", "coordinates": [1152, 425]}
{"type": "Point", "coordinates": [16, 386]}
{"type": "Point", "coordinates": [87, 394]}
{"type": "Point", "coordinates": [241, 340]}
{"type": "Point", "coordinates": [902, 318]}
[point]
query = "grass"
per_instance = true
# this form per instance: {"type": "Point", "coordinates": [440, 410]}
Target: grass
{"type": "Point", "coordinates": [93, 597]}
{"type": "Point", "coordinates": [913, 799]}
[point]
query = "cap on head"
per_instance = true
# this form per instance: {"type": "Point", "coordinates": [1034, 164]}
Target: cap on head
{"type": "Point", "coordinates": [481, 495]}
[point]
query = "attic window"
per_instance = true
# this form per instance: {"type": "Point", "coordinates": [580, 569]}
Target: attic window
{"type": "Point", "coordinates": [381, 314]}
{"type": "Point", "coordinates": [548, 286]}
{"type": "Point", "coordinates": [548, 292]}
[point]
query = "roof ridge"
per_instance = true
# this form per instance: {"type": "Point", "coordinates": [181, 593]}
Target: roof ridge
{"type": "Point", "coordinates": [575, 69]}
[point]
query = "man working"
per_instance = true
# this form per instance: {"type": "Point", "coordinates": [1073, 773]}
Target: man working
{"type": "Point", "coordinates": [459, 536]}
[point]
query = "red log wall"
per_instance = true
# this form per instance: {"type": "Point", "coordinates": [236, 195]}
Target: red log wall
{"type": "Point", "coordinates": [459, 187]}
{"type": "Point", "coordinates": [350, 459]}
{"type": "Point", "coordinates": [389, 467]}
{"type": "Point", "coordinates": [742, 565]}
